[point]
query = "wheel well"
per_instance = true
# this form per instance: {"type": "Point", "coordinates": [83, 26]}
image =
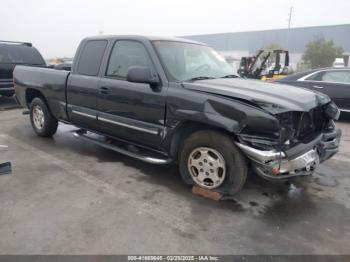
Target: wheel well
{"type": "Point", "coordinates": [33, 93]}
{"type": "Point", "coordinates": [186, 129]}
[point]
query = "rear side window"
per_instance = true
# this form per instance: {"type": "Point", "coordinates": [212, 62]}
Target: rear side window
{"type": "Point", "coordinates": [91, 57]}
{"type": "Point", "coordinates": [336, 76]}
{"type": "Point", "coordinates": [333, 76]}
{"type": "Point", "coordinates": [20, 54]}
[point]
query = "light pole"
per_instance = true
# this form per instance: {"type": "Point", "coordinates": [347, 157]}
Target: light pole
{"type": "Point", "coordinates": [289, 24]}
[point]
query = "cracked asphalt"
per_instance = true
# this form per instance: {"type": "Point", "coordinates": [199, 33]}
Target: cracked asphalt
{"type": "Point", "coordinates": [66, 196]}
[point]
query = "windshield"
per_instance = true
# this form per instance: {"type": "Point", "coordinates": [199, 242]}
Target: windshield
{"type": "Point", "coordinates": [18, 54]}
{"type": "Point", "coordinates": [186, 61]}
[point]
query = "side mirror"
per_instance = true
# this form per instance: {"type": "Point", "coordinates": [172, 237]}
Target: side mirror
{"type": "Point", "coordinates": [142, 74]}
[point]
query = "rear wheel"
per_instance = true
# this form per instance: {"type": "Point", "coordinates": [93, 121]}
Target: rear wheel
{"type": "Point", "coordinates": [210, 160]}
{"type": "Point", "coordinates": [43, 122]}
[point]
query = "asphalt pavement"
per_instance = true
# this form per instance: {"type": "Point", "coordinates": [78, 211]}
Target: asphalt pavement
{"type": "Point", "coordinates": [66, 196]}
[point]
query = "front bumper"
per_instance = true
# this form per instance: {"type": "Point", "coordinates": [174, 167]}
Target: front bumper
{"type": "Point", "coordinates": [299, 160]}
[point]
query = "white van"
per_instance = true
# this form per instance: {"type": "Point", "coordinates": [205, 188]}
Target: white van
{"type": "Point", "coordinates": [339, 62]}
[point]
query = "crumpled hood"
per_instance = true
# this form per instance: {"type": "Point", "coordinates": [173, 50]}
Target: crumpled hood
{"type": "Point", "coordinates": [274, 98]}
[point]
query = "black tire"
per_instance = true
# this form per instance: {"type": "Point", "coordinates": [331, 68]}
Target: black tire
{"type": "Point", "coordinates": [235, 162]}
{"type": "Point", "coordinates": [50, 123]}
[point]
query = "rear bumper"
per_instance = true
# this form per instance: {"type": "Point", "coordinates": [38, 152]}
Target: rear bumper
{"type": "Point", "coordinates": [300, 160]}
{"type": "Point", "coordinates": [6, 88]}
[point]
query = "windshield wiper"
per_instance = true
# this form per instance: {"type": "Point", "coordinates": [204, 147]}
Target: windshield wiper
{"type": "Point", "coordinates": [230, 76]}
{"type": "Point", "coordinates": [200, 78]}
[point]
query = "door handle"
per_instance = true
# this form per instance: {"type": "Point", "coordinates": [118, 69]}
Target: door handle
{"type": "Point", "coordinates": [104, 90]}
{"type": "Point", "coordinates": [318, 87]}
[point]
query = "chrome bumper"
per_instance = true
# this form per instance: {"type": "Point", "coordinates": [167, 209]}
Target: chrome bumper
{"type": "Point", "coordinates": [278, 165]}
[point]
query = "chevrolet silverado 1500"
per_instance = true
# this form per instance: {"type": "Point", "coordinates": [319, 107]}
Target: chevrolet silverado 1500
{"type": "Point", "coordinates": [162, 100]}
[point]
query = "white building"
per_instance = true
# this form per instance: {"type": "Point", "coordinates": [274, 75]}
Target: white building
{"type": "Point", "coordinates": [236, 45]}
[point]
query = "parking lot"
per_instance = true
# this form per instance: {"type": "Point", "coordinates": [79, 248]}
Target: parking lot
{"type": "Point", "coordinates": [66, 196]}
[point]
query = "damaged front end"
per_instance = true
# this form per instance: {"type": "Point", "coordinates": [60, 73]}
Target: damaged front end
{"type": "Point", "coordinates": [305, 140]}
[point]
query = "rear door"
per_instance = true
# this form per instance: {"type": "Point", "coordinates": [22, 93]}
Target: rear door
{"type": "Point", "coordinates": [83, 83]}
{"type": "Point", "coordinates": [334, 83]}
{"type": "Point", "coordinates": [133, 111]}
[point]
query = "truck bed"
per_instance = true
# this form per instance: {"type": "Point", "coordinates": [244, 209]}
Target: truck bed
{"type": "Point", "coordinates": [51, 83]}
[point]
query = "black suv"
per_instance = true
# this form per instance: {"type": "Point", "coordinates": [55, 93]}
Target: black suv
{"type": "Point", "coordinates": [12, 54]}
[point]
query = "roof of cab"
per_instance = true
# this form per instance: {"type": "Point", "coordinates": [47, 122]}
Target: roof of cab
{"type": "Point", "coordinates": [143, 38]}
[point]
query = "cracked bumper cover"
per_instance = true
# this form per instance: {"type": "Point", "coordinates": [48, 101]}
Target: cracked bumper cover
{"type": "Point", "coordinates": [300, 160]}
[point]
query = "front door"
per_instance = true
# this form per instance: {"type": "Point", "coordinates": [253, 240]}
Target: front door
{"type": "Point", "coordinates": [132, 111]}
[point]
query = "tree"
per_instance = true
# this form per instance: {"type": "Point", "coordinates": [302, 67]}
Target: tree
{"type": "Point", "coordinates": [272, 46]}
{"type": "Point", "coordinates": [321, 53]}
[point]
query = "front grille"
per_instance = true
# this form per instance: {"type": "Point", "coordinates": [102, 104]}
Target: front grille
{"type": "Point", "coordinates": [299, 125]}
{"type": "Point", "coordinates": [305, 126]}
{"type": "Point", "coordinates": [319, 118]}
{"type": "Point", "coordinates": [310, 122]}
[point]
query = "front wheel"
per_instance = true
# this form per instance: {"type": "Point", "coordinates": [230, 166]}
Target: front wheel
{"type": "Point", "coordinates": [43, 122]}
{"type": "Point", "coordinates": [210, 160]}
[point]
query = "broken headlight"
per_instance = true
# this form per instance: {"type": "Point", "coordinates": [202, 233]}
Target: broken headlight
{"type": "Point", "coordinates": [259, 142]}
{"type": "Point", "coordinates": [332, 111]}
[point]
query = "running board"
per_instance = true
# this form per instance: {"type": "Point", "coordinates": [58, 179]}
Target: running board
{"type": "Point", "coordinates": [141, 154]}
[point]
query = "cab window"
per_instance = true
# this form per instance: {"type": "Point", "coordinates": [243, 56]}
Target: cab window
{"type": "Point", "coordinates": [91, 57]}
{"type": "Point", "coordinates": [124, 55]}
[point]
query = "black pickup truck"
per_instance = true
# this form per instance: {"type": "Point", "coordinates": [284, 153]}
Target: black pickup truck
{"type": "Point", "coordinates": [162, 100]}
{"type": "Point", "coordinates": [12, 54]}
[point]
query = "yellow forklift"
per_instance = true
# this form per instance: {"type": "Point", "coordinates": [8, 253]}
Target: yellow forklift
{"type": "Point", "coordinates": [265, 65]}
